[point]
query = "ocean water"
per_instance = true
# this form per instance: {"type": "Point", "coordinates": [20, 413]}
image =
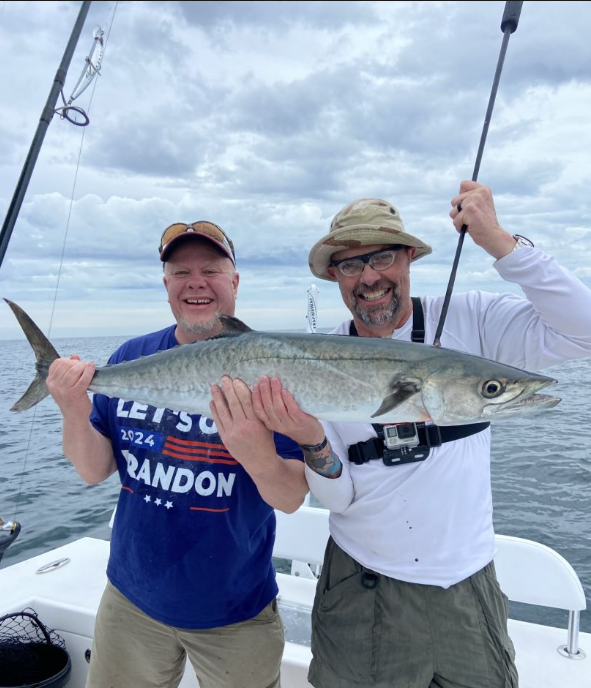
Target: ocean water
{"type": "Point", "coordinates": [541, 471]}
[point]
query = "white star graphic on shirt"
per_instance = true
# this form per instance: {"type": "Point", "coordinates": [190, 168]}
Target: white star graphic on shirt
{"type": "Point", "coordinates": [168, 505]}
{"type": "Point", "coordinates": [157, 502]}
{"type": "Point", "coordinates": [147, 499]}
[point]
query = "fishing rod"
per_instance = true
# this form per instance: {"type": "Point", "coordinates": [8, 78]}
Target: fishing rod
{"type": "Point", "coordinates": [46, 117]}
{"type": "Point", "coordinates": [508, 26]}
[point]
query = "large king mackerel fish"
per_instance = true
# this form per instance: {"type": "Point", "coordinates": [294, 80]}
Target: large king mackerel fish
{"type": "Point", "coordinates": [332, 377]}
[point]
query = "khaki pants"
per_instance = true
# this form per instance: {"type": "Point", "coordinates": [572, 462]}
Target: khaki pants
{"type": "Point", "coordinates": [371, 630]}
{"type": "Point", "coordinates": [132, 650]}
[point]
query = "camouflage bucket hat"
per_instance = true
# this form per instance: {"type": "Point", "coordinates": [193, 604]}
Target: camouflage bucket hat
{"type": "Point", "coordinates": [364, 222]}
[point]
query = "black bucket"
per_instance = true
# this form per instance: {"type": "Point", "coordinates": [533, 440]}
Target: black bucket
{"type": "Point", "coordinates": [31, 656]}
{"type": "Point", "coordinates": [34, 665]}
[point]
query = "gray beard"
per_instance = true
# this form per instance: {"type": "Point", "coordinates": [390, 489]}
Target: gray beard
{"type": "Point", "coordinates": [379, 315]}
{"type": "Point", "coordinates": [201, 328]}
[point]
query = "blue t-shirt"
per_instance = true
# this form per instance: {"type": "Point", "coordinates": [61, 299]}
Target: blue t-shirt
{"type": "Point", "coordinates": [192, 539]}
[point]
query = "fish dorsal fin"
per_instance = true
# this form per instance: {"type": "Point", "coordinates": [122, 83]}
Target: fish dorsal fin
{"type": "Point", "coordinates": [231, 327]}
{"type": "Point", "coordinates": [401, 392]}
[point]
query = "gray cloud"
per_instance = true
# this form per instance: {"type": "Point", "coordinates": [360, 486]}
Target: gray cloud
{"type": "Point", "coordinates": [269, 117]}
{"type": "Point", "coordinates": [275, 15]}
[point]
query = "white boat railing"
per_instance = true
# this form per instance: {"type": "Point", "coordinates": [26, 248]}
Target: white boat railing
{"type": "Point", "coordinates": [528, 571]}
{"type": "Point", "coordinates": [532, 573]}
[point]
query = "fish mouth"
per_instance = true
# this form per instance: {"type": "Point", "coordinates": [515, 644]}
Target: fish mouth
{"type": "Point", "coordinates": [530, 404]}
{"type": "Point", "coordinates": [528, 401]}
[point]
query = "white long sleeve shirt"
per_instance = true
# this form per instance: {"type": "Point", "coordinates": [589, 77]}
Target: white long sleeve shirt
{"type": "Point", "coordinates": [431, 522]}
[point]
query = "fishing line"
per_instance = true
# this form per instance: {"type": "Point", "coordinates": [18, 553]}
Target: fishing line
{"type": "Point", "coordinates": [59, 273]}
{"type": "Point", "coordinates": [508, 26]}
{"type": "Point", "coordinates": [76, 182]}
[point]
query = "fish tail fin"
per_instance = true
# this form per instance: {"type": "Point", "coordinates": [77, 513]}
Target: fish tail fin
{"type": "Point", "coordinates": [45, 355]}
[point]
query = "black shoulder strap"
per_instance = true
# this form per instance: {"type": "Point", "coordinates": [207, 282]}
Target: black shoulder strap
{"type": "Point", "coordinates": [418, 321]}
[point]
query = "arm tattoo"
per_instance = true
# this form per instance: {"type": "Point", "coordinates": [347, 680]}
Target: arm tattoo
{"type": "Point", "coordinates": [324, 462]}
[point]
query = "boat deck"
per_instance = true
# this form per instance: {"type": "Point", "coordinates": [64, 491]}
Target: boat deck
{"type": "Point", "coordinates": [66, 600]}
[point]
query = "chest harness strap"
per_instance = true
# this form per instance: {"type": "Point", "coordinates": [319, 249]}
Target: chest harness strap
{"type": "Point", "coordinates": [408, 442]}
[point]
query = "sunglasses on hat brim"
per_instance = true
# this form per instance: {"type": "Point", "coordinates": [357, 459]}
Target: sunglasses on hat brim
{"type": "Point", "coordinates": [208, 229]}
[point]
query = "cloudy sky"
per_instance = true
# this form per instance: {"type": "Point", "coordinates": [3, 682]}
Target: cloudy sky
{"type": "Point", "coordinates": [267, 118]}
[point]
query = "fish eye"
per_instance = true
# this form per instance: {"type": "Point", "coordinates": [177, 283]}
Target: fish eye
{"type": "Point", "coordinates": [492, 388]}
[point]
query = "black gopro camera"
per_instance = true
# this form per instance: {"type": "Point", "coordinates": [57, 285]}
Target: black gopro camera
{"type": "Point", "coordinates": [401, 435]}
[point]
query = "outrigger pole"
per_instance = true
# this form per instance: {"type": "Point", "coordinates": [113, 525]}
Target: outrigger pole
{"type": "Point", "coordinates": [46, 116]}
{"type": "Point", "coordinates": [508, 26]}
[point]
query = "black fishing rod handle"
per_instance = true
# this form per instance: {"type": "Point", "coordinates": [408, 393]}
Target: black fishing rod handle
{"type": "Point", "coordinates": [511, 16]}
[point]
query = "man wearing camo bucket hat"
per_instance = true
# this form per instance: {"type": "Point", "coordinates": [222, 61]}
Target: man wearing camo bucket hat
{"type": "Point", "coordinates": [408, 596]}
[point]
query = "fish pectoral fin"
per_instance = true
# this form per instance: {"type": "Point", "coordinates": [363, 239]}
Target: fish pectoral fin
{"type": "Point", "coordinates": [401, 392]}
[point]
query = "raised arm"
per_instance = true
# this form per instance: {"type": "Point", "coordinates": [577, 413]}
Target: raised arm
{"type": "Point", "coordinates": [553, 322]}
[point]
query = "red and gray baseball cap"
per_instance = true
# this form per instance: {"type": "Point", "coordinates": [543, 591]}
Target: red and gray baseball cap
{"type": "Point", "coordinates": [174, 235]}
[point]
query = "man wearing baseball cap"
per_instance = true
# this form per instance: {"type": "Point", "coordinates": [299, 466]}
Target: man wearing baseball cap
{"type": "Point", "coordinates": [190, 571]}
{"type": "Point", "coordinates": [408, 596]}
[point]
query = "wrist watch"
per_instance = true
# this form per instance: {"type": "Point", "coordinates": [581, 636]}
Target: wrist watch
{"type": "Point", "coordinates": [520, 242]}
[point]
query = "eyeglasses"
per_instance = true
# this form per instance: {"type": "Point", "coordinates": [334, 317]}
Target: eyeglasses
{"type": "Point", "coordinates": [381, 259]}
{"type": "Point", "coordinates": [207, 228]}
